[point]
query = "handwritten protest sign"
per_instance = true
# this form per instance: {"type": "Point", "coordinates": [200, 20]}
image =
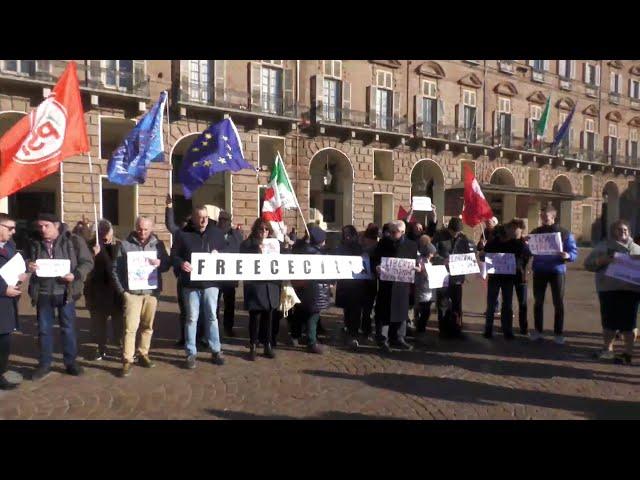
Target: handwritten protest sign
{"type": "Point", "coordinates": [49, 268]}
{"type": "Point", "coordinates": [437, 275]}
{"type": "Point", "coordinates": [545, 243]}
{"type": "Point", "coordinates": [271, 246]}
{"type": "Point", "coordinates": [500, 263]}
{"type": "Point", "coordinates": [141, 274]}
{"type": "Point", "coordinates": [624, 268]}
{"type": "Point", "coordinates": [398, 269]}
{"type": "Point", "coordinates": [421, 204]}
{"type": "Point", "coordinates": [463, 264]}
{"type": "Point", "coordinates": [11, 270]}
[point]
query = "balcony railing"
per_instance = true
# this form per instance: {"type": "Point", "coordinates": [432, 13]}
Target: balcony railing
{"type": "Point", "coordinates": [90, 77]}
{"type": "Point", "coordinates": [224, 98]}
{"type": "Point", "coordinates": [358, 119]}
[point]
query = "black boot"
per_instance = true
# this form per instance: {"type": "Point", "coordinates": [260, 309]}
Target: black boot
{"type": "Point", "coordinates": [268, 351]}
{"type": "Point", "coordinates": [253, 351]}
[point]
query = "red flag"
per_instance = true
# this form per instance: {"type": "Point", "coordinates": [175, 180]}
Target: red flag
{"type": "Point", "coordinates": [55, 130]}
{"type": "Point", "coordinates": [404, 215]}
{"type": "Point", "coordinates": [476, 208]}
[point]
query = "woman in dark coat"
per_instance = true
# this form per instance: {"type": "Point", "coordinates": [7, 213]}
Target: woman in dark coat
{"type": "Point", "coordinates": [349, 293]}
{"type": "Point", "coordinates": [261, 298]}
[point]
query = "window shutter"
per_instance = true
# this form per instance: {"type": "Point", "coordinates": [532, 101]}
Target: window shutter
{"type": "Point", "coordinates": [42, 66]}
{"type": "Point", "coordinates": [346, 100]}
{"type": "Point", "coordinates": [441, 113]}
{"type": "Point", "coordinates": [371, 105]}
{"type": "Point", "coordinates": [585, 72]}
{"type": "Point", "coordinates": [219, 77]}
{"type": "Point", "coordinates": [531, 63]}
{"type": "Point", "coordinates": [95, 68]}
{"type": "Point", "coordinates": [255, 78]}
{"type": "Point", "coordinates": [582, 140]}
{"type": "Point", "coordinates": [327, 67]}
{"type": "Point", "coordinates": [562, 67]}
{"type": "Point", "coordinates": [571, 141]}
{"type": "Point", "coordinates": [630, 88]}
{"type": "Point", "coordinates": [317, 85]}
{"type": "Point", "coordinates": [545, 65]}
{"type": "Point", "coordinates": [337, 68]}
{"type": "Point", "coordinates": [138, 72]}
{"type": "Point", "coordinates": [417, 106]}
{"type": "Point", "coordinates": [495, 125]}
{"type": "Point", "coordinates": [396, 110]}
{"type": "Point", "coordinates": [459, 114]}
{"type": "Point", "coordinates": [628, 149]}
{"type": "Point", "coordinates": [597, 75]}
{"type": "Point", "coordinates": [573, 71]}
{"type": "Point", "coordinates": [288, 97]}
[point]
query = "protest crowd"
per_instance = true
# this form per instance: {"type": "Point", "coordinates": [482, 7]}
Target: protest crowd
{"type": "Point", "coordinates": [386, 279]}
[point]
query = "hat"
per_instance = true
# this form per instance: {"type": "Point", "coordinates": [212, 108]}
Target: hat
{"type": "Point", "coordinates": [455, 224]}
{"type": "Point", "coordinates": [48, 217]}
{"type": "Point", "coordinates": [317, 235]}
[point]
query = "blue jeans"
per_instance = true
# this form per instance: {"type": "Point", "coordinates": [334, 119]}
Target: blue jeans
{"type": "Point", "coordinates": [46, 315]}
{"type": "Point", "coordinates": [192, 299]}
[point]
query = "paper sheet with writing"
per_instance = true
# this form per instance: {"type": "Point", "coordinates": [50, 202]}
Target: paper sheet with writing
{"type": "Point", "coordinates": [545, 243]}
{"type": "Point", "coordinates": [437, 275]}
{"type": "Point", "coordinates": [11, 270]}
{"type": "Point", "coordinates": [421, 204]}
{"type": "Point", "coordinates": [624, 268]}
{"type": "Point", "coordinates": [463, 264]}
{"type": "Point", "coordinates": [142, 275]}
{"type": "Point", "coordinates": [397, 269]}
{"type": "Point", "coordinates": [271, 246]}
{"type": "Point", "coordinates": [49, 268]}
{"type": "Point", "coordinates": [500, 263]}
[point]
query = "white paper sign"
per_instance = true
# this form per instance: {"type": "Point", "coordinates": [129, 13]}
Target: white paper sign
{"type": "Point", "coordinates": [437, 275]}
{"type": "Point", "coordinates": [500, 263]}
{"type": "Point", "coordinates": [624, 268]}
{"type": "Point", "coordinates": [255, 266]}
{"type": "Point", "coordinates": [141, 274]}
{"type": "Point", "coordinates": [271, 246]}
{"type": "Point", "coordinates": [545, 243]}
{"type": "Point", "coordinates": [421, 204]}
{"type": "Point", "coordinates": [11, 270]}
{"type": "Point", "coordinates": [463, 264]}
{"type": "Point", "coordinates": [49, 268]}
{"type": "Point", "coordinates": [366, 273]}
{"type": "Point", "coordinates": [398, 269]}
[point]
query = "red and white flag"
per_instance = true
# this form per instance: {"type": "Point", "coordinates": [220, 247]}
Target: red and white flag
{"type": "Point", "coordinates": [34, 147]}
{"type": "Point", "coordinates": [476, 208]}
{"type": "Point", "coordinates": [404, 215]}
{"type": "Point", "coordinates": [278, 197]}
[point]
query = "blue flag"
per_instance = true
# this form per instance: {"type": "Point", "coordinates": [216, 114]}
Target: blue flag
{"type": "Point", "coordinates": [144, 144]}
{"type": "Point", "coordinates": [563, 130]}
{"type": "Point", "coordinates": [216, 150]}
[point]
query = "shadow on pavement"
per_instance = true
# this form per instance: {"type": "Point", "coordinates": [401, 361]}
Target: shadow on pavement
{"type": "Point", "coordinates": [332, 415]}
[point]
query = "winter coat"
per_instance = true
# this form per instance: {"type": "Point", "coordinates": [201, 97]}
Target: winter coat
{"type": "Point", "coordinates": [190, 241]}
{"type": "Point", "coordinates": [520, 251]}
{"type": "Point", "coordinates": [446, 244]}
{"type": "Point", "coordinates": [67, 246]}
{"type": "Point", "coordinates": [607, 248]}
{"type": "Point", "coordinates": [100, 290]}
{"type": "Point", "coordinates": [259, 295]}
{"type": "Point", "coordinates": [8, 305]}
{"type": "Point", "coordinates": [392, 301]}
{"type": "Point", "coordinates": [315, 295]}
{"type": "Point", "coordinates": [132, 244]}
{"type": "Point", "coordinates": [349, 292]}
{"type": "Point", "coordinates": [555, 263]}
{"type": "Point", "coordinates": [422, 291]}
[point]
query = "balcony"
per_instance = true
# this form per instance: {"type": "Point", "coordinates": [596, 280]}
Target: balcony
{"type": "Point", "coordinates": [614, 98]}
{"type": "Point", "coordinates": [506, 66]}
{"type": "Point", "coordinates": [353, 119]}
{"type": "Point", "coordinates": [565, 83]}
{"type": "Point", "coordinates": [634, 103]}
{"type": "Point", "coordinates": [537, 75]}
{"type": "Point", "coordinates": [591, 90]}
{"type": "Point", "coordinates": [207, 96]}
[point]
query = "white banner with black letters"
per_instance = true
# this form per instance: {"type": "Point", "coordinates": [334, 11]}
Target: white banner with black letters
{"type": "Point", "coordinates": [254, 266]}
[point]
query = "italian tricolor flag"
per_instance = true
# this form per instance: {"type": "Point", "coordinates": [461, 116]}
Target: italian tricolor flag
{"type": "Point", "coordinates": [541, 127]}
{"type": "Point", "coordinates": [278, 197]}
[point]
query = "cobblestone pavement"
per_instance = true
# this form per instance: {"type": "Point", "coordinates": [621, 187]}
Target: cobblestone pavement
{"type": "Point", "coordinates": [472, 379]}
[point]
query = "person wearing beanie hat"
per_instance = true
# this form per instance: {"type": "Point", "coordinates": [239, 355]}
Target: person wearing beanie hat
{"type": "Point", "coordinates": [449, 299]}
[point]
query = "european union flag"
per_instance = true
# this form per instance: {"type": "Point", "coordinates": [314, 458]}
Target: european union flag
{"type": "Point", "coordinates": [216, 150]}
{"type": "Point", "coordinates": [144, 144]}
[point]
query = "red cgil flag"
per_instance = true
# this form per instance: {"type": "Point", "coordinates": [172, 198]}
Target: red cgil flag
{"type": "Point", "coordinates": [404, 215]}
{"type": "Point", "coordinates": [55, 130]}
{"type": "Point", "coordinates": [476, 208]}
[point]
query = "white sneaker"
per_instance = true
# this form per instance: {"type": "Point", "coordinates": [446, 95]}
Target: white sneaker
{"type": "Point", "coordinates": [559, 340]}
{"type": "Point", "coordinates": [535, 336]}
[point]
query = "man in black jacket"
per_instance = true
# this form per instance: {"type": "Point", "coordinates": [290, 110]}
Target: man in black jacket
{"type": "Point", "coordinates": [8, 303]}
{"type": "Point", "coordinates": [449, 299]}
{"type": "Point", "coordinates": [233, 239]}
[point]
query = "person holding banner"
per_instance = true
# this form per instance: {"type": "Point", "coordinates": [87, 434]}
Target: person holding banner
{"type": "Point", "coordinates": [198, 237]}
{"type": "Point", "coordinates": [9, 295]}
{"type": "Point", "coordinates": [515, 228]}
{"type": "Point", "coordinates": [619, 299]}
{"type": "Point", "coordinates": [449, 299]}
{"type": "Point", "coordinates": [139, 304]}
{"type": "Point", "coordinates": [392, 302]}
{"type": "Point", "coordinates": [551, 270]}
{"type": "Point", "coordinates": [349, 293]}
{"type": "Point", "coordinates": [233, 239]}
{"type": "Point", "coordinates": [261, 298]}
{"type": "Point", "coordinates": [423, 293]}
{"type": "Point", "coordinates": [51, 293]}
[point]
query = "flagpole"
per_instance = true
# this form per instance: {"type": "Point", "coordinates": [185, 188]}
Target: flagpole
{"type": "Point", "coordinates": [93, 198]}
{"type": "Point", "coordinates": [295, 197]}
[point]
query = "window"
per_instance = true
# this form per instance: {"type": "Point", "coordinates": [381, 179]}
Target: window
{"type": "Point", "coordinates": [592, 74]}
{"type": "Point", "coordinates": [504, 105]}
{"type": "Point", "coordinates": [587, 185]}
{"type": "Point", "coordinates": [382, 208]}
{"type": "Point", "coordinates": [110, 209]}
{"type": "Point", "coordinates": [384, 79]}
{"type": "Point", "coordinates": [632, 149]}
{"type": "Point", "coordinates": [26, 67]}
{"type": "Point", "coordinates": [333, 68]}
{"type": "Point", "coordinates": [536, 112]}
{"type": "Point", "coordinates": [613, 130]}
{"type": "Point", "coordinates": [565, 68]}
{"type": "Point", "coordinates": [199, 80]}
{"type": "Point", "coordinates": [268, 149]}
{"type": "Point", "coordinates": [429, 89]}
{"type": "Point", "coordinates": [469, 98]}
{"type": "Point", "coordinates": [565, 143]}
{"type": "Point", "coordinates": [118, 74]}
{"type": "Point", "coordinates": [331, 99]}
{"type": "Point", "coordinates": [589, 140]}
{"type": "Point", "coordinates": [634, 89]}
{"type": "Point", "coordinates": [383, 165]}
{"type": "Point", "coordinates": [615, 83]}
{"type": "Point", "coordinates": [589, 125]}
{"type": "Point", "coordinates": [384, 107]}
{"type": "Point", "coordinates": [470, 123]}
{"type": "Point", "coordinates": [271, 90]}
{"type": "Point", "coordinates": [537, 65]}
{"type": "Point", "coordinates": [534, 177]}
{"type": "Point", "coordinates": [277, 63]}
{"type": "Point", "coordinates": [430, 116]}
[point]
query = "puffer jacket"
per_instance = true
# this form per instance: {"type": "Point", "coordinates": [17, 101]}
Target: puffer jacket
{"type": "Point", "coordinates": [132, 244]}
{"type": "Point", "coordinates": [66, 246]}
{"type": "Point", "coordinates": [555, 263]}
{"type": "Point", "coordinates": [607, 248]}
{"type": "Point", "coordinates": [316, 294]}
